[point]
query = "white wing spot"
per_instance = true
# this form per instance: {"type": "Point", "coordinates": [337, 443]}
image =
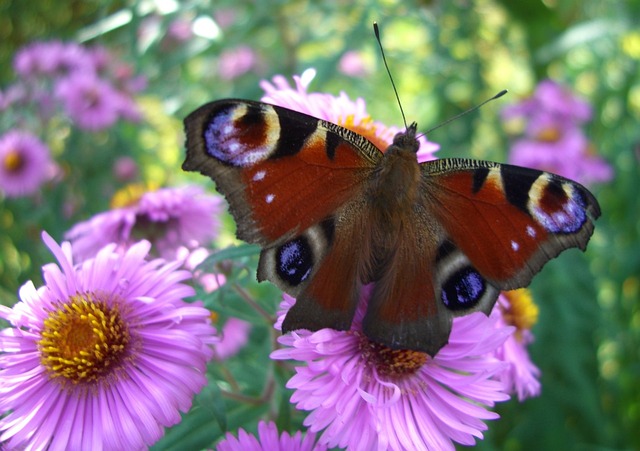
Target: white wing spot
{"type": "Point", "coordinates": [515, 246]}
{"type": "Point", "coordinates": [531, 231]}
{"type": "Point", "coordinates": [259, 175]}
{"type": "Point", "coordinates": [269, 198]}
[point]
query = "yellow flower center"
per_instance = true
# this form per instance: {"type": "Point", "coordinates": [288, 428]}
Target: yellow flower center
{"type": "Point", "coordinates": [83, 340]}
{"type": "Point", "coordinates": [522, 311]}
{"type": "Point", "coordinates": [391, 362]}
{"type": "Point", "coordinates": [366, 128]}
{"type": "Point", "coordinates": [13, 161]}
{"type": "Point", "coordinates": [128, 196]}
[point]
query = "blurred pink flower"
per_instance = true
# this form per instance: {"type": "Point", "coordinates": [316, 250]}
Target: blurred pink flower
{"type": "Point", "coordinates": [234, 337]}
{"type": "Point", "coordinates": [25, 164]}
{"type": "Point", "coordinates": [352, 64]}
{"type": "Point", "coordinates": [269, 440]}
{"type": "Point", "coordinates": [225, 17]}
{"type": "Point", "coordinates": [89, 101]}
{"type": "Point", "coordinates": [179, 30]}
{"type": "Point", "coordinates": [553, 139]}
{"type": "Point", "coordinates": [104, 355]}
{"type": "Point", "coordinates": [13, 94]}
{"type": "Point", "coordinates": [125, 169]}
{"type": "Point", "coordinates": [94, 88]}
{"type": "Point", "coordinates": [236, 62]}
{"type": "Point", "coordinates": [363, 395]}
{"type": "Point", "coordinates": [51, 59]}
{"type": "Point", "coordinates": [553, 99]}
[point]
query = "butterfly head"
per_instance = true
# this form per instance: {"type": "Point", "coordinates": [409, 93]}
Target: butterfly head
{"type": "Point", "coordinates": [407, 140]}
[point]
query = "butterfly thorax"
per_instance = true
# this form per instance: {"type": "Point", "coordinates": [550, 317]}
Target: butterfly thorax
{"type": "Point", "coordinates": [394, 187]}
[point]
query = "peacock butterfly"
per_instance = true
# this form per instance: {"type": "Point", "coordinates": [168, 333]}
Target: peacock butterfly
{"type": "Point", "coordinates": [332, 212]}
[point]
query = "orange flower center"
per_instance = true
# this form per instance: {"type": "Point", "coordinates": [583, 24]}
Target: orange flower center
{"type": "Point", "coordinates": [366, 128]}
{"type": "Point", "coordinates": [13, 161]}
{"type": "Point", "coordinates": [83, 340]}
{"type": "Point", "coordinates": [549, 134]}
{"type": "Point", "coordinates": [392, 362]}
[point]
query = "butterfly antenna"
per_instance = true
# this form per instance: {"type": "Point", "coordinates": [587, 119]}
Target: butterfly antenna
{"type": "Point", "coordinates": [497, 96]}
{"type": "Point", "coordinates": [376, 30]}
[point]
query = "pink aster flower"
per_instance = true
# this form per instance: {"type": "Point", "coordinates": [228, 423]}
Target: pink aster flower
{"type": "Point", "coordinates": [236, 62]}
{"type": "Point", "coordinates": [552, 98]}
{"type": "Point", "coordinates": [25, 164]}
{"type": "Point", "coordinates": [170, 218]}
{"type": "Point", "coordinates": [516, 308]}
{"type": "Point", "coordinates": [367, 396]}
{"type": "Point", "coordinates": [353, 65]}
{"type": "Point", "coordinates": [104, 355]}
{"type": "Point", "coordinates": [340, 110]}
{"type": "Point", "coordinates": [51, 58]}
{"type": "Point", "coordinates": [234, 336]}
{"type": "Point", "coordinates": [91, 102]}
{"type": "Point", "coordinates": [269, 440]}
{"type": "Point", "coordinates": [125, 169]}
{"type": "Point", "coordinates": [552, 139]}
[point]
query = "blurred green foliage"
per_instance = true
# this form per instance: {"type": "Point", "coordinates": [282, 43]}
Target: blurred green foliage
{"type": "Point", "coordinates": [445, 56]}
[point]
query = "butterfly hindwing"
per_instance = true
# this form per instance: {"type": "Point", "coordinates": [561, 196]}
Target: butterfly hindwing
{"type": "Point", "coordinates": [330, 297]}
{"type": "Point", "coordinates": [426, 282]}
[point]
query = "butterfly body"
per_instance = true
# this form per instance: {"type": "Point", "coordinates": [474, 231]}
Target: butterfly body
{"type": "Point", "coordinates": [333, 212]}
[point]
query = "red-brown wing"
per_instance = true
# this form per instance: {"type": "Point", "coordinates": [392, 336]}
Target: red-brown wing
{"type": "Point", "coordinates": [293, 183]}
{"type": "Point", "coordinates": [509, 221]}
{"type": "Point", "coordinates": [281, 171]}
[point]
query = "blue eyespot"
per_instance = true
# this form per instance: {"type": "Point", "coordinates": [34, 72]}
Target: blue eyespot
{"type": "Point", "coordinates": [463, 290]}
{"type": "Point", "coordinates": [294, 261]}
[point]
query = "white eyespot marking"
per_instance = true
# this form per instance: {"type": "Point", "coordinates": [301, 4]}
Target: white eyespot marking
{"type": "Point", "coordinates": [531, 231]}
{"type": "Point", "coordinates": [515, 246]}
{"type": "Point", "coordinates": [259, 175]}
{"type": "Point", "coordinates": [269, 198]}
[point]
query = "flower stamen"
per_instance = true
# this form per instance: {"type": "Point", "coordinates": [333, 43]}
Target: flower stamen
{"type": "Point", "coordinates": [522, 312]}
{"type": "Point", "coordinates": [365, 127]}
{"type": "Point", "coordinates": [84, 340]}
{"type": "Point", "coordinates": [549, 134]}
{"type": "Point", "coordinates": [13, 161]}
{"type": "Point", "coordinates": [391, 362]}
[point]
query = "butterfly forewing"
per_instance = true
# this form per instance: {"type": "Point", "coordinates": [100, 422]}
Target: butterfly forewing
{"type": "Point", "coordinates": [281, 171]}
